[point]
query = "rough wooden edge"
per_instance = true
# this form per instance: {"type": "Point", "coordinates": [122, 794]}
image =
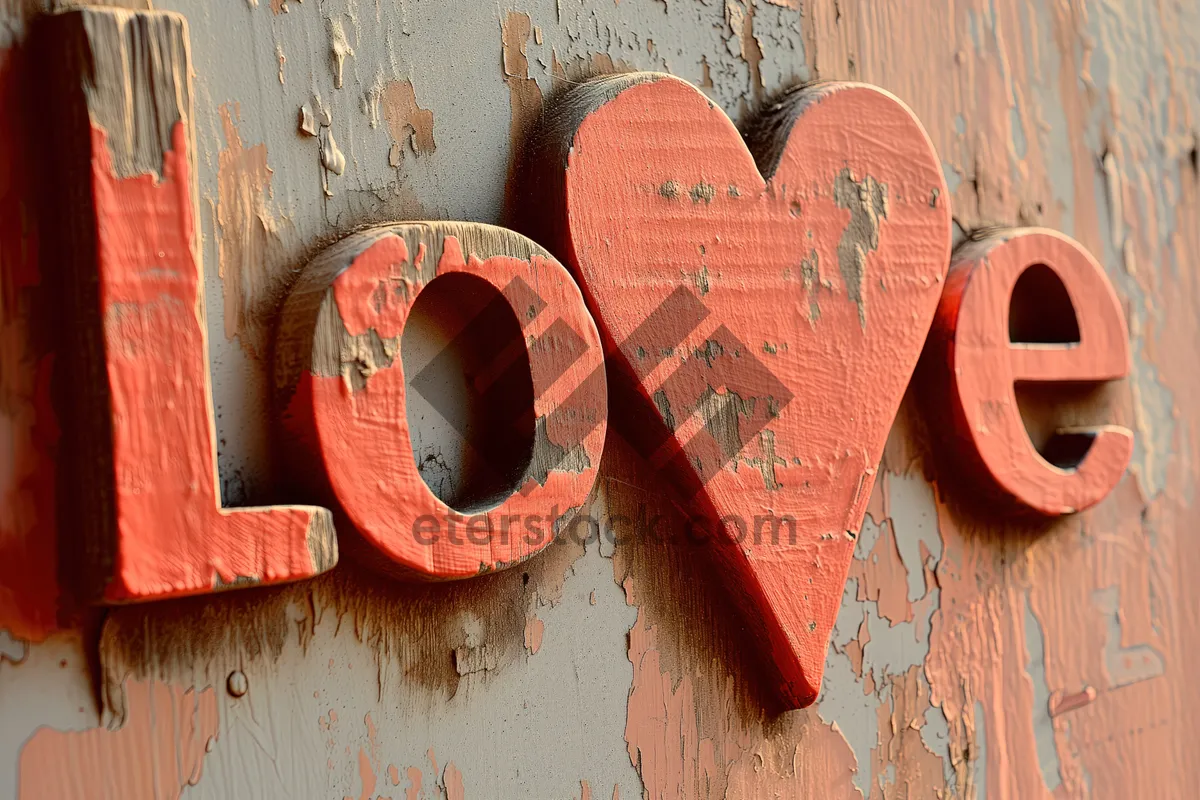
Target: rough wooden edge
{"type": "Point", "coordinates": [122, 78]}
{"type": "Point", "coordinates": [298, 315]}
{"type": "Point", "coordinates": [129, 72]}
{"type": "Point", "coordinates": [537, 206]}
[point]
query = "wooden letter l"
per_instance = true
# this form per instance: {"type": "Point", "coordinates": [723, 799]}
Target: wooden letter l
{"type": "Point", "coordinates": [138, 478]}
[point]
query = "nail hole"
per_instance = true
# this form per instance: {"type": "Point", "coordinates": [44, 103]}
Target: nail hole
{"type": "Point", "coordinates": [236, 683]}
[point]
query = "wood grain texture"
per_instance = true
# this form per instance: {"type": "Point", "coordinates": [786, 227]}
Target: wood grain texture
{"type": "Point", "coordinates": [342, 393]}
{"type": "Point", "coordinates": [981, 366]}
{"type": "Point", "coordinates": [139, 498]}
{"type": "Point", "coordinates": [810, 280]}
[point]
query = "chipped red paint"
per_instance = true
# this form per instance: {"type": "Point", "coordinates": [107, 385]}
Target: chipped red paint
{"type": "Point", "coordinates": [347, 406]}
{"type": "Point", "coordinates": [826, 271]}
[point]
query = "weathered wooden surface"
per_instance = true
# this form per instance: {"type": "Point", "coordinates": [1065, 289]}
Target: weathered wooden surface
{"type": "Point", "coordinates": [972, 655]}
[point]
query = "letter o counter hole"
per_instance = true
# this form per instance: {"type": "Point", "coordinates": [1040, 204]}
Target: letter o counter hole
{"type": "Point", "coordinates": [468, 392]}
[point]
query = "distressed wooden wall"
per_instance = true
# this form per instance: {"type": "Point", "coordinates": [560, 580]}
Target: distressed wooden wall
{"type": "Point", "coordinates": [974, 656]}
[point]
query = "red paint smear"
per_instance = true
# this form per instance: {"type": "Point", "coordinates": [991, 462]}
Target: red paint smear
{"type": "Point", "coordinates": [372, 737]}
{"type": "Point", "coordinates": [366, 294]}
{"type": "Point", "coordinates": [366, 775]}
{"type": "Point", "coordinates": [174, 538]}
{"type": "Point", "coordinates": [534, 630]}
{"type": "Point", "coordinates": [157, 751]}
{"type": "Point", "coordinates": [414, 787]}
{"type": "Point", "coordinates": [28, 427]}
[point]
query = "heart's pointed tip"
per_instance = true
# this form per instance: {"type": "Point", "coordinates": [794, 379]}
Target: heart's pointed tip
{"type": "Point", "coordinates": [801, 669]}
{"type": "Point", "coordinates": [801, 692]}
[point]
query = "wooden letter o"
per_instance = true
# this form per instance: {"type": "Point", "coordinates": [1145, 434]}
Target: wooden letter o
{"type": "Point", "coordinates": [342, 394]}
{"type": "Point", "coordinates": [984, 366]}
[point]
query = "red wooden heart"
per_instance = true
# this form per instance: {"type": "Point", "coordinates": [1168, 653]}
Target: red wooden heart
{"type": "Point", "coordinates": [774, 323]}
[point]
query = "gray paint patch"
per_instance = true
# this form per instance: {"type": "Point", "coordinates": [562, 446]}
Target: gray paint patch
{"type": "Point", "coordinates": [867, 202]}
{"type": "Point", "coordinates": [12, 649]}
{"type": "Point", "coordinates": [842, 701]}
{"type": "Point", "coordinates": [935, 734]}
{"type": "Point", "coordinates": [504, 727]}
{"type": "Point", "coordinates": [1043, 727]}
{"type": "Point", "coordinates": [1124, 665]}
{"type": "Point", "coordinates": [1019, 144]}
{"type": "Point", "coordinates": [893, 649]}
{"type": "Point", "coordinates": [914, 521]}
{"type": "Point", "coordinates": [979, 754]}
{"type": "Point", "coordinates": [1132, 59]}
{"type": "Point", "coordinates": [953, 179]}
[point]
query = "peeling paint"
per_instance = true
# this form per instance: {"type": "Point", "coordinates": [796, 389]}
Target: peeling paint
{"type": "Point", "coordinates": [1124, 664]}
{"type": "Point", "coordinates": [410, 125]}
{"type": "Point", "coordinates": [524, 96]}
{"type": "Point", "coordinates": [534, 630]}
{"type": "Point", "coordinates": [339, 49]}
{"type": "Point", "coordinates": [307, 123]}
{"type": "Point", "coordinates": [248, 234]}
{"type": "Point", "coordinates": [155, 751]}
{"type": "Point", "coordinates": [1043, 728]}
{"type": "Point", "coordinates": [332, 158]}
{"type": "Point", "coordinates": [1079, 118]}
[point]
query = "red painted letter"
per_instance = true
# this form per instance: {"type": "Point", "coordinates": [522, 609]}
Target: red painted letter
{"type": "Point", "coordinates": [347, 402]}
{"type": "Point", "coordinates": [984, 362]}
{"type": "Point", "coordinates": [139, 475]}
